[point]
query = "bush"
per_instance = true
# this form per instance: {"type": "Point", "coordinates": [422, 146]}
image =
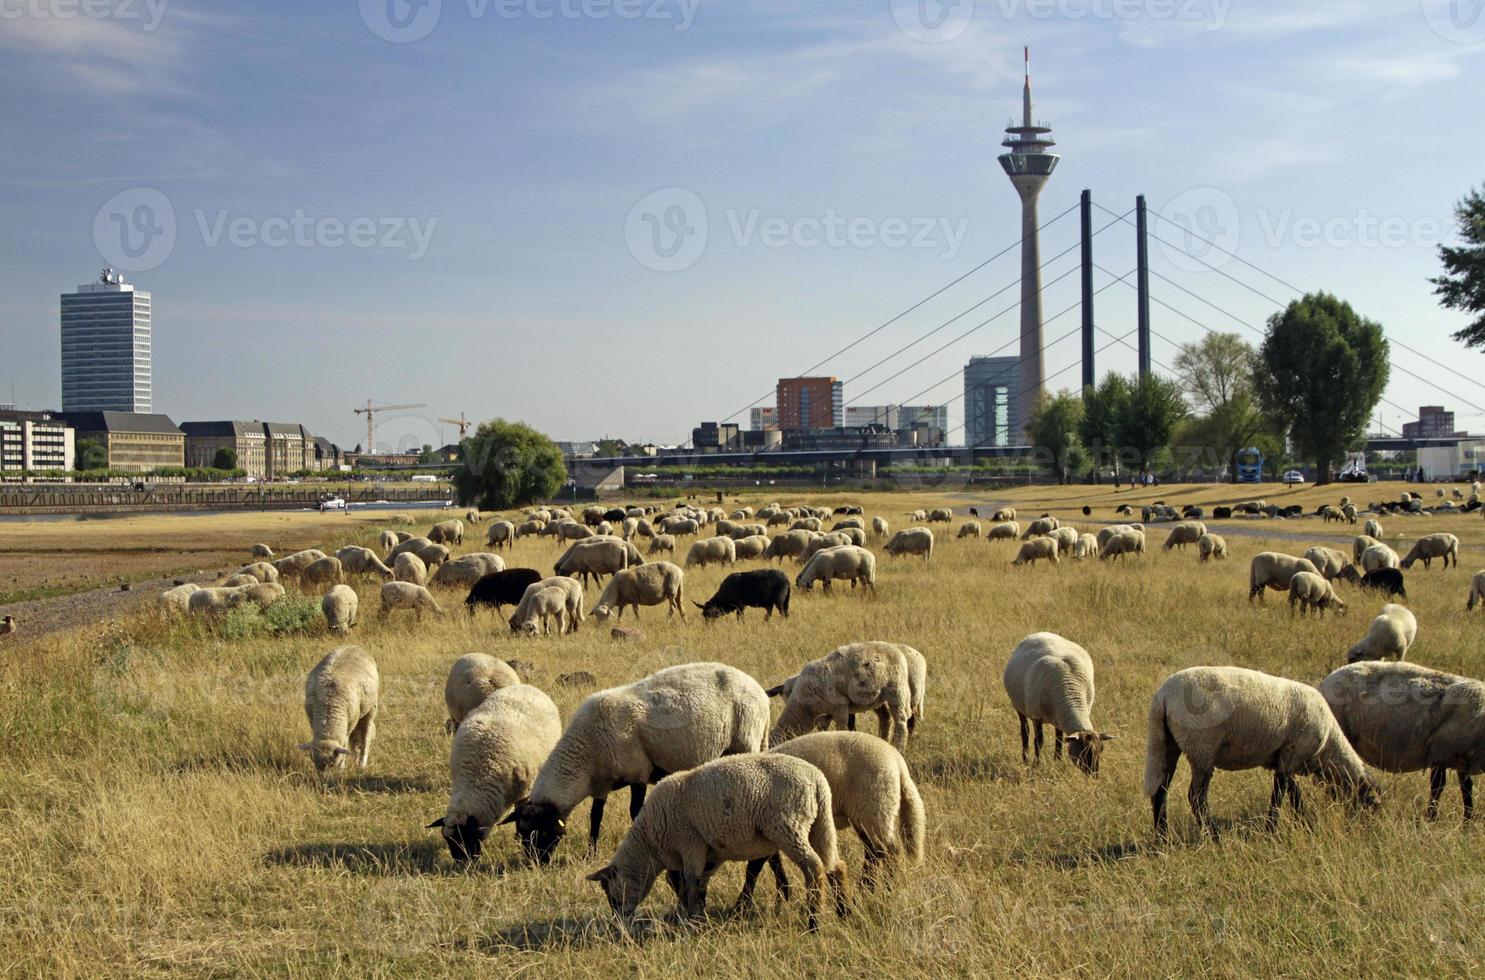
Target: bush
{"type": "Point", "coordinates": [289, 615]}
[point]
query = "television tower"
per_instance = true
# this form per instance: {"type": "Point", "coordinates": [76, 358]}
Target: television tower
{"type": "Point", "coordinates": [1028, 164]}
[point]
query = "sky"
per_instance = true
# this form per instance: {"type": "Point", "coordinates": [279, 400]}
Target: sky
{"type": "Point", "coordinates": [623, 217]}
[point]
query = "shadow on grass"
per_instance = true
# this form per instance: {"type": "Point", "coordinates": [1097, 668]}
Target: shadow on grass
{"type": "Point", "coordinates": [389, 859]}
{"type": "Point", "coordinates": [565, 932]}
{"type": "Point", "coordinates": [955, 770]}
{"type": "Point", "coordinates": [378, 784]}
{"type": "Point", "coordinates": [236, 761]}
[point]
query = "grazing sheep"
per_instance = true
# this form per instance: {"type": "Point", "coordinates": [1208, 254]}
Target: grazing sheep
{"type": "Point", "coordinates": [711, 551]}
{"type": "Point", "coordinates": [178, 599]}
{"type": "Point", "coordinates": [918, 516]}
{"type": "Point", "coordinates": [1187, 532]}
{"type": "Point", "coordinates": [1036, 549]}
{"type": "Point", "coordinates": [752, 546]}
{"type": "Point", "coordinates": [879, 527]}
{"type": "Point", "coordinates": [433, 555]}
{"type": "Point", "coordinates": [658, 583]}
{"type": "Point", "coordinates": [1087, 547]}
{"type": "Point", "coordinates": [1106, 533]}
{"type": "Point", "coordinates": [362, 561]}
{"type": "Point", "coordinates": [213, 601]}
{"type": "Point", "coordinates": [261, 552]}
{"type": "Point", "coordinates": [807, 524]}
{"type": "Point", "coordinates": [1066, 537]}
{"type": "Point", "coordinates": [570, 531]}
{"type": "Point", "coordinates": [1372, 529]}
{"type": "Point", "coordinates": [260, 570]}
{"type": "Point", "coordinates": [1477, 591]}
{"type": "Point", "coordinates": [1391, 634]}
{"type": "Point", "coordinates": [292, 566]}
{"type": "Point", "coordinates": [845, 562]}
{"type": "Point", "coordinates": [1041, 526]}
{"type": "Point", "coordinates": [1211, 546]}
{"type": "Point", "coordinates": [1309, 590]}
{"type": "Point", "coordinates": [500, 589]}
{"type": "Point", "coordinates": [848, 522]}
{"type": "Point", "coordinates": [778, 804]}
{"type": "Point", "coordinates": [447, 532]}
{"type": "Point", "coordinates": [1329, 513]}
{"type": "Point", "coordinates": [386, 540]}
{"type": "Point", "coordinates": [1050, 681]}
{"type": "Point", "coordinates": [544, 604]}
{"type": "Point", "coordinates": [1329, 562]}
{"type": "Point", "coordinates": [407, 595]}
{"type": "Point", "coordinates": [597, 557]}
{"type": "Point", "coordinates": [1429, 547]}
{"type": "Point", "coordinates": [764, 588]}
{"type": "Point", "coordinates": [819, 542]}
{"type": "Point", "coordinates": [500, 533]}
{"type": "Point", "coordinates": [339, 607]}
{"type": "Point", "coordinates": [1273, 570]}
{"type": "Point", "coordinates": [1007, 531]}
{"type": "Point", "coordinates": [1359, 544]}
{"type": "Point", "coordinates": [463, 572]}
{"type": "Point", "coordinates": [887, 678]}
{"type": "Point", "coordinates": [340, 699]}
{"type": "Point", "coordinates": [1403, 717]}
{"type": "Point", "coordinates": [1233, 718]}
{"type": "Point", "coordinates": [911, 541]}
{"type": "Point", "coordinates": [263, 595]}
{"type": "Point", "coordinates": [1377, 557]}
{"type": "Point", "coordinates": [635, 735]}
{"type": "Point", "coordinates": [940, 515]}
{"type": "Point", "coordinates": [474, 517]}
{"type": "Point", "coordinates": [406, 546]}
{"type": "Point", "coordinates": [240, 580]}
{"type": "Point", "coordinates": [9, 625]}
{"type": "Point", "coordinates": [790, 544]}
{"type": "Point", "coordinates": [1348, 511]}
{"type": "Point", "coordinates": [662, 543]}
{"type": "Point", "coordinates": [1004, 515]}
{"type": "Point", "coordinates": [1388, 581]}
{"type": "Point", "coordinates": [497, 749]}
{"type": "Point", "coordinates": [472, 679]}
{"type": "Point", "coordinates": [528, 528]}
{"type": "Point", "coordinates": [872, 791]}
{"type": "Point", "coordinates": [408, 567]}
{"type": "Point", "coordinates": [1123, 544]}
{"type": "Point", "coordinates": [326, 571]}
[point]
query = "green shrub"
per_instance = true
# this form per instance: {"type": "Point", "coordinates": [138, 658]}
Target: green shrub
{"type": "Point", "coordinates": [287, 616]}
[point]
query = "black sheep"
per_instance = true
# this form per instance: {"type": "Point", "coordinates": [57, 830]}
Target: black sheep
{"type": "Point", "coordinates": [766, 588]}
{"type": "Point", "coordinates": [501, 588]}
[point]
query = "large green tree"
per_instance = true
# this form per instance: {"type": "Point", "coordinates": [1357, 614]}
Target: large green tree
{"type": "Point", "coordinates": [1054, 434]}
{"type": "Point", "coordinates": [1321, 371]}
{"type": "Point", "coordinates": [507, 464]}
{"type": "Point", "coordinates": [1097, 429]}
{"type": "Point", "coordinates": [1143, 428]}
{"type": "Point", "coordinates": [89, 454]}
{"type": "Point", "coordinates": [1216, 376]}
{"type": "Point", "coordinates": [1462, 286]}
{"type": "Point", "coordinates": [225, 459]}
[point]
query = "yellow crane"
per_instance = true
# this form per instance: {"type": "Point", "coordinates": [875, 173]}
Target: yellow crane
{"type": "Point", "coordinates": [463, 424]}
{"type": "Point", "coordinates": [370, 412]}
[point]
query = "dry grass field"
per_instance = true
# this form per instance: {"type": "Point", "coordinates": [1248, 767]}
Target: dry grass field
{"type": "Point", "coordinates": [158, 817]}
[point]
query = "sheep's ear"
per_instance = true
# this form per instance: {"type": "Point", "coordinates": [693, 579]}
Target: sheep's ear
{"type": "Point", "coordinates": [342, 751]}
{"type": "Point", "coordinates": [774, 692]}
{"type": "Point", "coordinates": [436, 823]}
{"type": "Point", "coordinates": [1106, 737]}
{"type": "Point", "coordinates": [602, 875]}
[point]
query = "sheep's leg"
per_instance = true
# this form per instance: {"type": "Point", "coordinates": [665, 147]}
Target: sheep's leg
{"type": "Point", "coordinates": [1201, 780]}
{"type": "Point", "coordinates": [636, 799]}
{"type": "Point", "coordinates": [850, 721]}
{"type": "Point", "coordinates": [1276, 801]}
{"type": "Point", "coordinates": [813, 870]}
{"type": "Point", "coordinates": [595, 823]}
{"type": "Point", "coordinates": [1467, 794]}
{"type": "Point", "coordinates": [780, 879]}
{"type": "Point", "coordinates": [1037, 742]}
{"type": "Point", "coordinates": [1438, 777]}
{"type": "Point", "coordinates": [884, 721]}
{"type": "Point", "coordinates": [1025, 738]}
{"type": "Point", "coordinates": [1295, 802]}
{"type": "Point", "coordinates": [745, 901]}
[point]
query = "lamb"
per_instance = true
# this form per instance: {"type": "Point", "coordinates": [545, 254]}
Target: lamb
{"type": "Point", "coordinates": [572, 589]}
{"type": "Point", "coordinates": [260, 570]}
{"type": "Point", "coordinates": [1310, 590]}
{"type": "Point", "coordinates": [764, 588]}
{"type": "Point", "coordinates": [673, 720]}
{"type": "Point", "coordinates": [662, 542]}
{"type": "Point", "coordinates": [472, 679]}
{"type": "Point", "coordinates": [1403, 717]}
{"type": "Point", "coordinates": [261, 552]}
{"type": "Point", "coordinates": [846, 562]}
{"type": "Point", "coordinates": [408, 567]}
{"type": "Point", "coordinates": [1329, 562]}
{"type": "Point", "coordinates": [1273, 570]}
{"type": "Point", "coordinates": [362, 561]}
{"type": "Point", "coordinates": [1050, 681]}
{"type": "Point", "coordinates": [1431, 546]}
{"type": "Point", "coordinates": [1187, 532]}
{"type": "Point", "coordinates": [339, 607]}
{"type": "Point", "coordinates": [1087, 547]}
{"type": "Point", "coordinates": [386, 540]}
{"type": "Point", "coordinates": [326, 570]}
{"type": "Point", "coordinates": [752, 546]}
{"type": "Point", "coordinates": [871, 790]}
{"type": "Point", "coordinates": [1389, 635]}
{"type": "Point", "coordinates": [1007, 531]}
{"type": "Point", "coordinates": [1123, 544]}
{"type": "Point", "coordinates": [1477, 591]}
{"type": "Point", "coordinates": [178, 599]}
{"type": "Point", "coordinates": [1066, 537]}
{"type": "Point", "coordinates": [447, 532]}
{"type": "Point", "coordinates": [463, 572]}
{"type": "Point", "coordinates": [1211, 546]}
{"type": "Point", "coordinates": [544, 604]}
{"type": "Point", "coordinates": [1233, 718]}
{"type": "Point", "coordinates": [879, 527]}
{"type": "Point", "coordinates": [500, 589]}
{"type": "Point", "coordinates": [292, 566]}
{"type": "Point", "coordinates": [500, 534]}
{"type": "Point", "coordinates": [870, 676]}
{"type": "Point", "coordinates": [940, 515]}
{"type": "Point", "coordinates": [340, 699]}
{"type": "Point", "coordinates": [1041, 526]}
{"type": "Point", "coordinates": [406, 595]}
{"type": "Point", "coordinates": [711, 551]}
{"type": "Point", "coordinates": [780, 805]}
{"type": "Point", "coordinates": [911, 541]}
{"type": "Point", "coordinates": [658, 583]}
{"type": "Point", "coordinates": [1036, 549]}
{"type": "Point", "coordinates": [1378, 556]}
{"type": "Point", "coordinates": [497, 750]}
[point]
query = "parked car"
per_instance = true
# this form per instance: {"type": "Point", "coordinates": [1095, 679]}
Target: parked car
{"type": "Point", "coordinates": [1293, 476]}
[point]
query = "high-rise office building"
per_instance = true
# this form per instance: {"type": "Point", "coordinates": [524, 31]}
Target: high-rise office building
{"type": "Point", "coordinates": [811, 403]}
{"type": "Point", "coordinates": [992, 408]}
{"type": "Point", "coordinates": [106, 347]}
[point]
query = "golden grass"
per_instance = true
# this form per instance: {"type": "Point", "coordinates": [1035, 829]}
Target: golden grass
{"type": "Point", "coordinates": [158, 817]}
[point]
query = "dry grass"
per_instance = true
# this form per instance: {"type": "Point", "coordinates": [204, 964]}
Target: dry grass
{"type": "Point", "coordinates": [159, 818]}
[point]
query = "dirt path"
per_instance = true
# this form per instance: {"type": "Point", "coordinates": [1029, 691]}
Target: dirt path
{"type": "Point", "coordinates": [39, 617]}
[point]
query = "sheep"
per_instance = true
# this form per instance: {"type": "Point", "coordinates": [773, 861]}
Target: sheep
{"type": "Point", "coordinates": [1066, 537]}
{"type": "Point", "coordinates": [1004, 515]}
{"type": "Point", "coordinates": [752, 546]}
{"type": "Point", "coordinates": [673, 720]}
{"type": "Point", "coordinates": [474, 517]}
{"type": "Point", "coordinates": [871, 791]}
{"type": "Point", "coordinates": [658, 583]}
{"type": "Point", "coordinates": [879, 527]}
{"type": "Point", "coordinates": [1327, 561]}
{"type": "Point", "coordinates": [1388, 581]}
{"type": "Point", "coordinates": [790, 544]}
{"type": "Point", "coordinates": [408, 546]}
{"type": "Point", "coordinates": [1477, 591]}
{"type": "Point", "coordinates": [819, 542]}
{"type": "Point", "coordinates": [177, 599]}
{"type": "Point", "coordinates": [408, 567]}
{"type": "Point", "coordinates": [339, 606]}
{"type": "Point", "coordinates": [940, 515]}
{"type": "Point", "coordinates": [779, 804]}
{"type": "Point", "coordinates": [292, 566]}
{"type": "Point", "coordinates": [1087, 547]}
{"type": "Point", "coordinates": [1273, 570]}
{"type": "Point", "coordinates": [1041, 526]}
{"type": "Point", "coordinates": [887, 678]}
{"type": "Point", "coordinates": [544, 604]}
{"type": "Point", "coordinates": [1391, 634]}
{"type": "Point", "coordinates": [463, 572]}
{"type": "Point", "coordinates": [1360, 544]}
{"type": "Point", "coordinates": [528, 528]}
{"type": "Point", "coordinates": [213, 601]}
{"type": "Point", "coordinates": [807, 524]}
{"type": "Point", "coordinates": [679, 526]}
{"type": "Point", "coordinates": [1005, 531]}
{"type": "Point", "coordinates": [855, 522]}
{"type": "Point", "coordinates": [326, 570]}
{"type": "Point", "coordinates": [263, 595]}
{"type": "Point", "coordinates": [742, 514]}
{"type": "Point", "coordinates": [500, 534]}
{"type": "Point", "coordinates": [500, 589]}
{"type": "Point", "coordinates": [340, 700]}
{"type": "Point", "coordinates": [1211, 546]}
{"type": "Point", "coordinates": [1431, 546]}
{"type": "Point", "coordinates": [766, 588]}
{"type": "Point", "coordinates": [362, 561]}
{"type": "Point", "coordinates": [1050, 681]}
{"type": "Point", "coordinates": [261, 552]}
{"type": "Point", "coordinates": [9, 625]}
{"type": "Point", "coordinates": [845, 562]}
{"type": "Point", "coordinates": [386, 540]}
{"type": "Point", "coordinates": [1348, 511]}
{"type": "Point", "coordinates": [407, 595]}
{"type": "Point", "coordinates": [1372, 529]}
{"type": "Point", "coordinates": [711, 551]}
{"type": "Point", "coordinates": [1377, 557]}
{"type": "Point", "coordinates": [473, 678]}
{"type": "Point", "coordinates": [1234, 718]}
{"type": "Point", "coordinates": [917, 516]}
{"type": "Point", "coordinates": [597, 557]}
{"type": "Point", "coordinates": [1036, 549]}
{"type": "Point", "coordinates": [433, 555]}
{"type": "Point", "coordinates": [1106, 533]}
{"type": "Point", "coordinates": [1187, 532]}
{"type": "Point", "coordinates": [447, 532]}
{"type": "Point", "coordinates": [1123, 544]}
{"type": "Point", "coordinates": [1329, 513]}
{"type": "Point", "coordinates": [240, 580]}
{"type": "Point", "coordinates": [402, 536]}
{"type": "Point", "coordinates": [1310, 590]}
{"type": "Point", "coordinates": [662, 543]}
{"type": "Point", "coordinates": [498, 747]}
{"type": "Point", "coordinates": [260, 570]}
{"type": "Point", "coordinates": [911, 541]}
{"type": "Point", "coordinates": [1403, 717]}
{"type": "Point", "coordinates": [571, 531]}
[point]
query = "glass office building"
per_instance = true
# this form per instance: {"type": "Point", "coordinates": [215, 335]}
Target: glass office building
{"type": "Point", "coordinates": [106, 347]}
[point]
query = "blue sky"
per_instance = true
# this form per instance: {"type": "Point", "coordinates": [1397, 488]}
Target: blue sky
{"type": "Point", "coordinates": [625, 216]}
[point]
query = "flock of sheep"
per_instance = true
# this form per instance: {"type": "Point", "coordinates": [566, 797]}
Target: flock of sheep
{"type": "Point", "coordinates": [688, 736]}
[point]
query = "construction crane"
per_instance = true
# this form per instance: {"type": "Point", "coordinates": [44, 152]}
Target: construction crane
{"type": "Point", "coordinates": [463, 424]}
{"type": "Point", "coordinates": [370, 412]}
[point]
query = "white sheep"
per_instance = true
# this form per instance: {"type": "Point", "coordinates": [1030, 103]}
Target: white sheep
{"type": "Point", "coordinates": [406, 595]}
{"type": "Point", "coordinates": [752, 546]}
{"type": "Point", "coordinates": [1105, 534]}
{"type": "Point", "coordinates": [1378, 556]}
{"type": "Point", "coordinates": [263, 595]}
{"type": "Point", "coordinates": [447, 532]}
{"type": "Point", "coordinates": [1477, 591]}
{"type": "Point", "coordinates": [1391, 634]}
{"type": "Point", "coordinates": [1041, 526]}
{"type": "Point", "coordinates": [386, 540]}
{"type": "Point", "coordinates": [662, 543]}
{"type": "Point", "coordinates": [1310, 590]}
{"type": "Point", "coordinates": [214, 601]}
{"type": "Point", "coordinates": [777, 804]}
{"type": "Point", "coordinates": [292, 566]}
{"type": "Point", "coordinates": [1006, 531]}
{"type": "Point", "coordinates": [339, 606]}
{"type": "Point", "coordinates": [911, 541]}
{"type": "Point", "coordinates": [658, 583]}
{"type": "Point", "coordinates": [261, 551]}
{"type": "Point", "coordinates": [1372, 529]}
{"type": "Point", "coordinates": [1360, 544]}
{"type": "Point", "coordinates": [472, 678]}
{"type": "Point", "coordinates": [408, 567]}
{"type": "Point", "coordinates": [1087, 547]}
{"type": "Point", "coordinates": [1211, 546]}
{"type": "Point", "coordinates": [463, 572]}
{"type": "Point", "coordinates": [940, 515]}
{"type": "Point", "coordinates": [1004, 515]}
{"type": "Point", "coordinates": [969, 529]}
{"type": "Point", "coordinates": [711, 551]}
{"type": "Point", "coordinates": [500, 533]}
{"type": "Point", "coordinates": [1327, 561]}
{"type": "Point", "coordinates": [1066, 537]}
{"type": "Point", "coordinates": [879, 527]}
{"type": "Point", "coordinates": [177, 599]}
{"type": "Point", "coordinates": [362, 561]}
{"type": "Point", "coordinates": [1234, 718]}
{"type": "Point", "coordinates": [240, 580]}
{"type": "Point", "coordinates": [1273, 570]}
{"type": "Point", "coordinates": [571, 588]}
{"type": "Point", "coordinates": [1123, 544]}
{"type": "Point", "coordinates": [888, 678]}
{"type": "Point", "coordinates": [1403, 717]}
{"type": "Point", "coordinates": [673, 720]}
{"type": "Point", "coordinates": [847, 562]}
{"type": "Point", "coordinates": [1050, 681]}
{"type": "Point", "coordinates": [260, 570]}
{"type": "Point", "coordinates": [1187, 532]}
{"type": "Point", "coordinates": [405, 547]}
{"type": "Point", "coordinates": [325, 571]}
{"type": "Point", "coordinates": [597, 557]}
{"type": "Point", "coordinates": [544, 604]}
{"type": "Point", "coordinates": [497, 750]}
{"type": "Point", "coordinates": [1035, 550]}
{"type": "Point", "coordinates": [1431, 546]}
{"type": "Point", "coordinates": [340, 699]}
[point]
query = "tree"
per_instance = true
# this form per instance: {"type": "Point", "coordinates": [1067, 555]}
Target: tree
{"type": "Point", "coordinates": [1101, 407]}
{"type": "Point", "coordinates": [90, 455]}
{"type": "Point", "coordinates": [1462, 286]}
{"type": "Point", "coordinates": [608, 448]}
{"type": "Point", "coordinates": [507, 464]}
{"type": "Point", "coordinates": [1321, 371]}
{"type": "Point", "coordinates": [225, 459]}
{"type": "Point", "coordinates": [1054, 434]}
{"type": "Point", "coordinates": [1148, 419]}
{"type": "Point", "coordinates": [1216, 375]}
{"type": "Point", "coordinates": [426, 455]}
